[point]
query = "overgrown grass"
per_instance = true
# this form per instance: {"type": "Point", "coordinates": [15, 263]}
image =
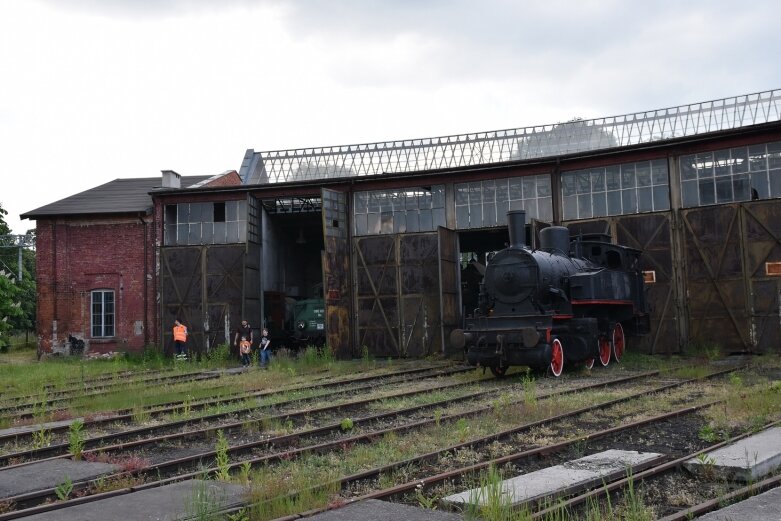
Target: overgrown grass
{"type": "Point", "coordinates": [746, 407]}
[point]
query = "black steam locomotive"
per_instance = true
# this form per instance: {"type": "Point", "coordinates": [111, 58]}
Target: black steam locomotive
{"type": "Point", "coordinates": [567, 302]}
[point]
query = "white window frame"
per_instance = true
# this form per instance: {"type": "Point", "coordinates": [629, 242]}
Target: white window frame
{"type": "Point", "coordinates": [98, 320]}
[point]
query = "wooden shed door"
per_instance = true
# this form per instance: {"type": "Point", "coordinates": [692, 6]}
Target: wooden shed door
{"type": "Point", "coordinates": [651, 234]}
{"type": "Point", "coordinates": [377, 295]}
{"type": "Point", "coordinates": [715, 276]}
{"type": "Point", "coordinates": [400, 284]}
{"type": "Point", "coordinates": [762, 245]}
{"type": "Point", "coordinates": [336, 272]}
{"type": "Point", "coordinates": [419, 294]}
{"type": "Point", "coordinates": [182, 294]}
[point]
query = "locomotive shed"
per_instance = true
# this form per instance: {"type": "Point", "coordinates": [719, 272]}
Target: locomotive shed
{"type": "Point", "coordinates": [394, 236]}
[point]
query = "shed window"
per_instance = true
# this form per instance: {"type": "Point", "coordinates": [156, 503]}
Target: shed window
{"type": "Point", "coordinates": [484, 204]}
{"type": "Point", "coordinates": [615, 190]}
{"type": "Point", "coordinates": [414, 209]}
{"type": "Point", "coordinates": [102, 313]}
{"type": "Point", "coordinates": [732, 174]}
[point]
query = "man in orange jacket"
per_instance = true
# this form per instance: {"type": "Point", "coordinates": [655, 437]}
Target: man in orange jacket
{"type": "Point", "coordinates": [180, 340]}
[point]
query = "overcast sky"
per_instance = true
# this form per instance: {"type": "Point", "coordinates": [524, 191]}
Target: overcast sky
{"type": "Point", "coordinates": [94, 90]}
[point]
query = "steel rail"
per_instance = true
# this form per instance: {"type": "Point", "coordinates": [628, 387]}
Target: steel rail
{"type": "Point", "coordinates": [48, 493]}
{"type": "Point", "coordinates": [542, 450]}
{"type": "Point", "coordinates": [187, 377]}
{"type": "Point", "coordinates": [457, 473]}
{"type": "Point", "coordinates": [71, 381]}
{"type": "Point", "coordinates": [714, 504]}
{"type": "Point", "coordinates": [150, 430]}
{"type": "Point", "coordinates": [126, 415]}
{"type": "Point", "coordinates": [665, 467]}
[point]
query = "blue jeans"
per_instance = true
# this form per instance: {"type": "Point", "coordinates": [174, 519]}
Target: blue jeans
{"type": "Point", "coordinates": [265, 357]}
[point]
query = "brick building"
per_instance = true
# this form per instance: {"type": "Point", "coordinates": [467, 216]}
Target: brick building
{"type": "Point", "coordinates": [96, 262]}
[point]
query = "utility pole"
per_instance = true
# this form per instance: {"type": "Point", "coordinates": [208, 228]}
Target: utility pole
{"type": "Point", "coordinates": [20, 242]}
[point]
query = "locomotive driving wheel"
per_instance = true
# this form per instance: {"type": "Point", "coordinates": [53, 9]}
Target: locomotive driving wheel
{"type": "Point", "coordinates": [499, 370]}
{"type": "Point", "coordinates": [589, 363]}
{"type": "Point", "coordinates": [557, 358]}
{"type": "Point", "coordinates": [618, 342]}
{"type": "Point", "coordinates": [604, 351]}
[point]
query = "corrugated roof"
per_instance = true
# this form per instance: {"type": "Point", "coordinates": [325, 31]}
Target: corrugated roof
{"type": "Point", "coordinates": [117, 196]}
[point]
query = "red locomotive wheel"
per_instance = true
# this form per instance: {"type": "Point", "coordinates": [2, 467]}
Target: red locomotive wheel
{"type": "Point", "coordinates": [589, 363]}
{"type": "Point", "coordinates": [618, 342]}
{"type": "Point", "coordinates": [604, 351]}
{"type": "Point", "coordinates": [557, 358]}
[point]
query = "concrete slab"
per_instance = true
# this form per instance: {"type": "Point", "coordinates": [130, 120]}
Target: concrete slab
{"type": "Point", "coordinates": [182, 500]}
{"type": "Point", "coordinates": [49, 474]}
{"type": "Point", "coordinates": [562, 479]}
{"type": "Point", "coordinates": [375, 510]}
{"type": "Point", "coordinates": [27, 429]}
{"type": "Point", "coordinates": [746, 460]}
{"type": "Point", "coordinates": [763, 507]}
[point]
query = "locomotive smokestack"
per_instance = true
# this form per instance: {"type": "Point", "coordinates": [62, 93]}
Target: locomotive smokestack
{"type": "Point", "coordinates": [516, 226]}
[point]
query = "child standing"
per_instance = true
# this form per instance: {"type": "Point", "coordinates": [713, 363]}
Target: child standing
{"type": "Point", "coordinates": [265, 349]}
{"type": "Point", "coordinates": [244, 347]}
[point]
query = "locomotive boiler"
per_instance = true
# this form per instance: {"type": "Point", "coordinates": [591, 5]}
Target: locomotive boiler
{"type": "Point", "coordinates": [567, 302]}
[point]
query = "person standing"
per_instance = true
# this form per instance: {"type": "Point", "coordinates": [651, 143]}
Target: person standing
{"type": "Point", "coordinates": [244, 330]}
{"type": "Point", "coordinates": [245, 347]}
{"type": "Point", "coordinates": [265, 349]}
{"type": "Point", "coordinates": [180, 340]}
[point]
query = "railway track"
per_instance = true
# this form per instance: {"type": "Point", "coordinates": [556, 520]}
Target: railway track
{"type": "Point", "coordinates": [302, 442]}
{"type": "Point", "coordinates": [323, 446]}
{"type": "Point", "coordinates": [26, 410]}
{"type": "Point", "coordinates": [192, 428]}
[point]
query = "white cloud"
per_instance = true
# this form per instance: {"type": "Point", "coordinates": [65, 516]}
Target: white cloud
{"type": "Point", "coordinates": [95, 90]}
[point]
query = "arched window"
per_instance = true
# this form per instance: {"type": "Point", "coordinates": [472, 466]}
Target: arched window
{"type": "Point", "coordinates": [102, 312]}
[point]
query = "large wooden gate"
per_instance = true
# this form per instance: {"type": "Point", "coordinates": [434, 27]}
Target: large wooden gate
{"type": "Point", "coordinates": [733, 302]}
{"type": "Point", "coordinates": [202, 286]}
{"type": "Point", "coordinates": [400, 287]}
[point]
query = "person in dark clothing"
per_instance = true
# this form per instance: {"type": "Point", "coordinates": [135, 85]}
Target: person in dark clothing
{"type": "Point", "coordinates": [244, 330]}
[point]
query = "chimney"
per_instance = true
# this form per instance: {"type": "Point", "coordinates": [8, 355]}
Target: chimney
{"type": "Point", "coordinates": [516, 226]}
{"type": "Point", "coordinates": [171, 179]}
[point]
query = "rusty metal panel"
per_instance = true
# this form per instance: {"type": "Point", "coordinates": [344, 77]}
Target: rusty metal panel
{"type": "Point", "coordinates": [762, 239]}
{"type": "Point", "coordinates": [449, 294]}
{"type": "Point", "coordinates": [336, 272]}
{"type": "Point", "coordinates": [716, 291]}
{"type": "Point", "coordinates": [377, 294]}
{"type": "Point", "coordinates": [651, 233]}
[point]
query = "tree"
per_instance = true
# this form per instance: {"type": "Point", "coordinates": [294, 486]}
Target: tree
{"type": "Point", "coordinates": [17, 298]}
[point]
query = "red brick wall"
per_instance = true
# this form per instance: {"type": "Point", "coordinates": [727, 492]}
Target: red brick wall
{"type": "Point", "coordinates": [229, 179]}
{"type": "Point", "coordinates": [77, 256]}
